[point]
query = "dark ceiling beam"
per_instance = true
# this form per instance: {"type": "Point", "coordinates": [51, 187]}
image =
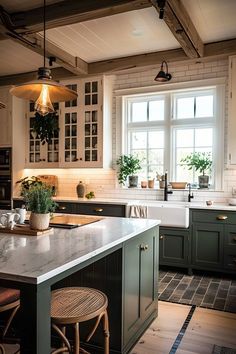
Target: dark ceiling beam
{"type": "Point", "coordinates": [16, 79]}
{"type": "Point", "coordinates": [182, 27]}
{"type": "Point", "coordinates": [73, 11]}
{"type": "Point", "coordinates": [211, 50]}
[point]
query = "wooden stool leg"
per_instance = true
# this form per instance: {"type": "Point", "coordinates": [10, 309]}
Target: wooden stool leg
{"type": "Point", "coordinates": [77, 339]}
{"type": "Point", "coordinates": [2, 350]}
{"type": "Point", "coordinates": [106, 332]}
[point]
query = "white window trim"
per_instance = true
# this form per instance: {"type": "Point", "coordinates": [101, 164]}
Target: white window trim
{"type": "Point", "coordinates": [123, 95]}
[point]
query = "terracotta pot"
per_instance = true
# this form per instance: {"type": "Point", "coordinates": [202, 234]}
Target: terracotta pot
{"type": "Point", "coordinates": [39, 221]}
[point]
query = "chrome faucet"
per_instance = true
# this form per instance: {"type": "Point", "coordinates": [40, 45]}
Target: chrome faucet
{"type": "Point", "coordinates": [190, 195]}
{"type": "Point", "coordinates": [166, 191]}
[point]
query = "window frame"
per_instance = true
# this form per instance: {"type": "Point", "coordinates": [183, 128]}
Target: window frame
{"type": "Point", "coordinates": [124, 97]}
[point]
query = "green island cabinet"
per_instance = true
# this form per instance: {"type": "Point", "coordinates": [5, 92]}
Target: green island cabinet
{"type": "Point", "coordinates": [174, 246]}
{"type": "Point", "coordinates": [129, 277]}
{"type": "Point", "coordinates": [213, 240]}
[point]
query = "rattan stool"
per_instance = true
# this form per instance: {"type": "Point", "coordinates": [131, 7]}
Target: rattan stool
{"type": "Point", "coordinates": [70, 306]}
{"type": "Point", "coordinates": [9, 300]}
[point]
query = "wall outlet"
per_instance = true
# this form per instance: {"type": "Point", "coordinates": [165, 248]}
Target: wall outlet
{"type": "Point", "coordinates": [234, 190]}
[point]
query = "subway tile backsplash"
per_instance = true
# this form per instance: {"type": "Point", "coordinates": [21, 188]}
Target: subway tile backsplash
{"type": "Point", "coordinates": [104, 182]}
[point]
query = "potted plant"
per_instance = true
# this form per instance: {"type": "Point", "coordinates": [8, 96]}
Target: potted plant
{"type": "Point", "coordinates": [39, 202]}
{"type": "Point", "coordinates": [128, 166]}
{"type": "Point", "coordinates": [200, 161]}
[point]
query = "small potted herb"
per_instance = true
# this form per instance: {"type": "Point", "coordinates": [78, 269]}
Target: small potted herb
{"type": "Point", "coordinates": [128, 166]}
{"type": "Point", "coordinates": [202, 162]}
{"type": "Point", "coordinates": [39, 202]}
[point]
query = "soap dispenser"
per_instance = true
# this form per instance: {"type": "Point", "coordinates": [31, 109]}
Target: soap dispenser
{"type": "Point", "coordinates": [80, 190]}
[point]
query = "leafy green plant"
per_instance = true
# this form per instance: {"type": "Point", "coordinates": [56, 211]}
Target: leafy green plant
{"type": "Point", "coordinates": [128, 166]}
{"type": "Point", "coordinates": [39, 199]}
{"type": "Point", "coordinates": [46, 126]}
{"type": "Point", "coordinates": [27, 182]}
{"type": "Point", "coordinates": [201, 161]}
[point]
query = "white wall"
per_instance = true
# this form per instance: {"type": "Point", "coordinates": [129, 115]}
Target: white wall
{"type": "Point", "coordinates": [104, 181]}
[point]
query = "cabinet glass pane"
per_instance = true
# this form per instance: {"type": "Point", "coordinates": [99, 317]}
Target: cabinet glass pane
{"type": "Point", "coordinates": [94, 99]}
{"type": "Point", "coordinates": [87, 129]}
{"type": "Point", "coordinates": [74, 143]}
{"type": "Point", "coordinates": [67, 131]}
{"type": "Point", "coordinates": [94, 155]}
{"type": "Point", "coordinates": [74, 102]}
{"type": "Point", "coordinates": [94, 142]}
{"type": "Point", "coordinates": [67, 143]}
{"type": "Point", "coordinates": [87, 143]}
{"type": "Point", "coordinates": [87, 100]}
{"type": "Point", "coordinates": [94, 86]}
{"type": "Point", "coordinates": [94, 129]}
{"type": "Point", "coordinates": [87, 155]}
{"type": "Point", "coordinates": [87, 117]}
{"type": "Point", "coordinates": [74, 130]}
{"type": "Point", "coordinates": [87, 87]}
{"type": "Point", "coordinates": [67, 118]}
{"type": "Point", "coordinates": [94, 116]}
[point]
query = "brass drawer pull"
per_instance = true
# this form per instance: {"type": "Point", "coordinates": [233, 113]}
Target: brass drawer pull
{"type": "Point", "coordinates": [98, 210]}
{"type": "Point", "coordinates": [222, 217]}
{"type": "Point", "coordinates": [161, 237]}
{"type": "Point", "coordinates": [143, 247]}
{"type": "Point", "coordinates": [62, 208]}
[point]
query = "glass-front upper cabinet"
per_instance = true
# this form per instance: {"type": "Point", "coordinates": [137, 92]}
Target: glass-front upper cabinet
{"type": "Point", "coordinates": [39, 154]}
{"type": "Point", "coordinates": [81, 125]}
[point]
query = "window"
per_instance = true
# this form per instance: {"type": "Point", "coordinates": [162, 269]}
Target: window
{"type": "Point", "coordinates": [163, 128]}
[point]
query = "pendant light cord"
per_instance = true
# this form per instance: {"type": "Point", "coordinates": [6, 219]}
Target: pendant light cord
{"type": "Point", "coordinates": [44, 33]}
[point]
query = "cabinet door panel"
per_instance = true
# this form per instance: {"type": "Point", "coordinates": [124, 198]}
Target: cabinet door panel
{"type": "Point", "coordinates": [208, 242]}
{"type": "Point", "coordinates": [173, 246]}
{"type": "Point", "coordinates": [148, 271]}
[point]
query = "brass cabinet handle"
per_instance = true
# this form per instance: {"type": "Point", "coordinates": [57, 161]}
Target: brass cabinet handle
{"type": "Point", "coordinates": [98, 210]}
{"type": "Point", "coordinates": [161, 237]}
{"type": "Point", "coordinates": [222, 217]}
{"type": "Point", "coordinates": [62, 208]}
{"type": "Point", "coordinates": [143, 247]}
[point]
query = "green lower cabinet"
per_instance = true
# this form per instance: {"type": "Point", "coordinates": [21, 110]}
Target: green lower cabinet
{"type": "Point", "coordinates": [174, 246]}
{"type": "Point", "coordinates": [140, 285]}
{"type": "Point", "coordinates": [208, 246]}
{"type": "Point", "coordinates": [230, 247]}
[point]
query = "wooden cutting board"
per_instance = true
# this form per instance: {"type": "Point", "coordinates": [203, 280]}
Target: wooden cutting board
{"type": "Point", "coordinates": [25, 230]}
{"type": "Point", "coordinates": [50, 180]}
{"type": "Point", "coordinates": [73, 220]}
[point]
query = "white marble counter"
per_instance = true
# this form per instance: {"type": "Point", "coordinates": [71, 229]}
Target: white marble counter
{"type": "Point", "coordinates": [34, 259]}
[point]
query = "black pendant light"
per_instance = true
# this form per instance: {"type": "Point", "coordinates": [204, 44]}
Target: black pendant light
{"type": "Point", "coordinates": [163, 76]}
{"type": "Point", "coordinates": [44, 91]}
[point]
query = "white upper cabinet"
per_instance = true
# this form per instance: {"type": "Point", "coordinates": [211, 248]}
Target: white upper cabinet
{"type": "Point", "coordinates": [6, 117]}
{"type": "Point", "coordinates": [231, 157]}
{"type": "Point", "coordinates": [85, 133]}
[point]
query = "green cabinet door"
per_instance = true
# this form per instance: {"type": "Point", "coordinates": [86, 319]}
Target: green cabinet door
{"type": "Point", "coordinates": [230, 248]}
{"type": "Point", "coordinates": [207, 246]}
{"type": "Point", "coordinates": [174, 246]}
{"type": "Point", "coordinates": [140, 284]}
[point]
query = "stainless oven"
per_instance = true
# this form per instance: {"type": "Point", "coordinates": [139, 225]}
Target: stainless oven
{"type": "Point", "coordinates": [5, 179]}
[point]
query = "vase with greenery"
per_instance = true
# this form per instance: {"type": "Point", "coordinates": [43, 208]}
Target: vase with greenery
{"type": "Point", "coordinates": [202, 162]}
{"type": "Point", "coordinates": [128, 166]}
{"type": "Point", "coordinates": [39, 201]}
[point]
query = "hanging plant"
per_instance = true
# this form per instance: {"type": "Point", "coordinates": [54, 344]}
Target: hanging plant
{"type": "Point", "coordinates": [46, 126]}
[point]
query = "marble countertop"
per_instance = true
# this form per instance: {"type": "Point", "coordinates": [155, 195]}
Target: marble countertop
{"type": "Point", "coordinates": [34, 259]}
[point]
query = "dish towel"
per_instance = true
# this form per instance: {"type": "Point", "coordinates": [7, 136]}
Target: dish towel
{"type": "Point", "coordinates": [138, 211]}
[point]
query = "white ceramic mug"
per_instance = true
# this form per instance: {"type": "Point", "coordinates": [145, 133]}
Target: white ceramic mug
{"type": "Point", "coordinates": [22, 213]}
{"type": "Point", "coordinates": [9, 220]}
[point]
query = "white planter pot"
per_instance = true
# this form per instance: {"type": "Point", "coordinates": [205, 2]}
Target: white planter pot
{"type": "Point", "coordinates": [39, 221]}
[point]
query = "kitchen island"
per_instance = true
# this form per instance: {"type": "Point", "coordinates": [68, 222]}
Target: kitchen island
{"type": "Point", "coordinates": [116, 255]}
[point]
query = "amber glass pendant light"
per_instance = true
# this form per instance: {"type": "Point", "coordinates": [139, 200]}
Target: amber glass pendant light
{"type": "Point", "coordinates": [44, 91]}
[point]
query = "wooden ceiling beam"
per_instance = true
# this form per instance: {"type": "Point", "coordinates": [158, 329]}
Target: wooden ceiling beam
{"type": "Point", "coordinates": [182, 27]}
{"type": "Point", "coordinates": [16, 79]}
{"type": "Point", "coordinates": [73, 11]}
{"type": "Point", "coordinates": [215, 49]}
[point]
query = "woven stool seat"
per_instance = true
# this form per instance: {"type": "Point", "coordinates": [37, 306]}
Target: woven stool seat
{"type": "Point", "coordinates": [9, 300]}
{"type": "Point", "coordinates": [72, 305]}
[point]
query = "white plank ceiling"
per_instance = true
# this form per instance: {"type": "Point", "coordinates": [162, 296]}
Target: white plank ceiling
{"type": "Point", "coordinates": [125, 34]}
{"type": "Point", "coordinates": [130, 33]}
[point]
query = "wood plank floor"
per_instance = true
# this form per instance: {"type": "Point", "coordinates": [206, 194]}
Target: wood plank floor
{"type": "Point", "coordinates": [206, 328]}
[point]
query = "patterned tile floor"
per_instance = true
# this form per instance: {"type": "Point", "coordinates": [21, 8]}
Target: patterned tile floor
{"type": "Point", "coordinates": [204, 290]}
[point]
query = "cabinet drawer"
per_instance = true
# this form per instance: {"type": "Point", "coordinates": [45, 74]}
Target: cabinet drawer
{"type": "Point", "coordinates": [67, 208]}
{"type": "Point", "coordinates": [230, 258]}
{"type": "Point", "coordinates": [216, 216]}
{"type": "Point", "coordinates": [101, 209]}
